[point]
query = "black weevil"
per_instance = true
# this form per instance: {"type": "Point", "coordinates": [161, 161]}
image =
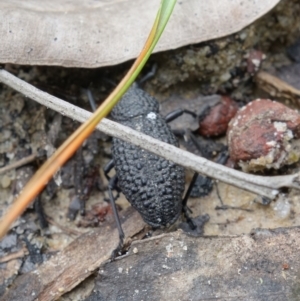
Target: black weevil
{"type": "Point", "coordinates": [154, 186]}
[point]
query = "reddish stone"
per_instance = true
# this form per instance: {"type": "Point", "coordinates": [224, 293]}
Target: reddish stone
{"type": "Point", "coordinates": [255, 130]}
{"type": "Point", "coordinates": [216, 122]}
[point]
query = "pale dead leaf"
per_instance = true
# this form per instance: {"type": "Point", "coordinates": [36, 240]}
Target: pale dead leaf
{"type": "Point", "coordinates": [84, 33]}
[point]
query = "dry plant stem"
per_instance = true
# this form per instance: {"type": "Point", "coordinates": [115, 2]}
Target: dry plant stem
{"type": "Point", "coordinates": [74, 263]}
{"type": "Point", "coordinates": [18, 163]}
{"type": "Point", "coordinates": [277, 87]}
{"type": "Point", "coordinates": [66, 230]}
{"type": "Point", "coordinates": [265, 186]}
{"type": "Point", "coordinates": [15, 255]}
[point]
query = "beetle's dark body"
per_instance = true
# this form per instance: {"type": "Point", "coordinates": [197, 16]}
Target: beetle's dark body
{"type": "Point", "coordinates": [153, 185]}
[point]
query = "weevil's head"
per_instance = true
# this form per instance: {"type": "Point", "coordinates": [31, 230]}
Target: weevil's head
{"type": "Point", "coordinates": [135, 102]}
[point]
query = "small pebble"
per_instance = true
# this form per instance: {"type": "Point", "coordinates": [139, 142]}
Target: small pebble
{"type": "Point", "coordinates": [5, 181]}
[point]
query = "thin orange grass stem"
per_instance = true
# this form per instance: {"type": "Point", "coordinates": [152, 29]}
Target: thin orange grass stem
{"type": "Point", "coordinates": [69, 147]}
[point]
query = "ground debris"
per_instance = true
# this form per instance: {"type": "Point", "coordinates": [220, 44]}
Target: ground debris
{"type": "Point", "coordinates": [71, 266]}
{"type": "Point", "coordinates": [261, 266]}
{"type": "Point", "coordinates": [278, 88]}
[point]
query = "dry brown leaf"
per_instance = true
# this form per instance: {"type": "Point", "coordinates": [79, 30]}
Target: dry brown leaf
{"type": "Point", "coordinates": [83, 33]}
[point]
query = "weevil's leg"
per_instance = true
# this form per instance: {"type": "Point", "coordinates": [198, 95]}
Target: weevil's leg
{"type": "Point", "coordinates": [90, 94]}
{"type": "Point", "coordinates": [108, 167]}
{"type": "Point", "coordinates": [78, 180]}
{"type": "Point", "coordinates": [111, 185]}
{"type": "Point", "coordinates": [262, 200]}
{"type": "Point", "coordinates": [78, 203]}
{"type": "Point", "coordinates": [203, 187]}
{"type": "Point", "coordinates": [188, 192]}
{"type": "Point", "coordinates": [177, 113]}
{"type": "Point", "coordinates": [185, 209]}
{"type": "Point", "coordinates": [74, 207]}
{"type": "Point", "coordinates": [193, 226]}
{"type": "Point", "coordinates": [40, 212]}
{"type": "Point", "coordinates": [219, 196]}
{"type": "Point", "coordinates": [179, 133]}
{"type": "Point", "coordinates": [223, 156]}
{"type": "Point", "coordinates": [190, 135]}
{"type": "Point", "coordinates": [34, 252]}
{"type": "Point", "coordinates": [204, 183]}
{"type": "Point", "coordinates": [222, 159]}
{"type": "Point", "coordinates": [203, 111]}
{"type": "Point", "coordinates": [206, 107]}
{"type": "Point", "coordinates": [265, 201]}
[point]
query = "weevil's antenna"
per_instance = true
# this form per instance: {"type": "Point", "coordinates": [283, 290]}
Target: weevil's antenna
{"type": "Point", "coordinates": [149, 75]}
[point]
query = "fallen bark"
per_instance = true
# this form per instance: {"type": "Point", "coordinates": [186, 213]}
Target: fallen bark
{"type": "Point", "coordinates": [75, 263]}
{"type": "Point", "coordinates": [261, 266]}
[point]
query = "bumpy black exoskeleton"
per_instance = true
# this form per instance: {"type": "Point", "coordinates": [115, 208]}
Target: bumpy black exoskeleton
{"type": "Point", "coordinates": [153, 185]}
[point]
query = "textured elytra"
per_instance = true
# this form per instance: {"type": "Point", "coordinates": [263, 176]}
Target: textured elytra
{"type": "Point", "coordinates": [153, 185]}
{"type": "Point", "coordinates": [136, 102]}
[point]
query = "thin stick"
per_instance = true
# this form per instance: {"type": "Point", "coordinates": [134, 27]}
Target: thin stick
{"type": "Point", "coordinates": [18, 163]}
{"type": "Point", "coordinates": [277, 87]}
{"type": "Point", "coordinates": [19, 254]}
{"type": "Point", "coordinates": [66, 230]}
{"type": "Point", "coordinates": [265, 186]}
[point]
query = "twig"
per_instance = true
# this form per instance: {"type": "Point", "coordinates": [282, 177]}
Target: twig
{"type": "Point", "coordinates": [67, 230]}
{"type": "Point", "coordinates": [226, 207]}
{"type": "Point", "coordinates": [276, 87]}
{"type": "Point", "coordinates": [18, 163]}
{"type": "Point", "coordinates": [19, 254]}
{"type": "Point", "coordinates": [265, 186]}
